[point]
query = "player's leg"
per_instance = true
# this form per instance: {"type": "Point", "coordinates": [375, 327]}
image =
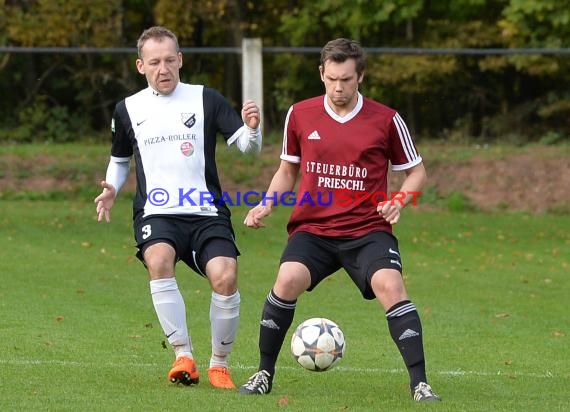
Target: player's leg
{"type": "Point", "coordinates": [221, 271]}
{"type": "Point", "coordinates": [158, 254]}
{"type": "Point", "coordinates": [277, 316]}
{"type": "Point", "coordinates": [305, 262]}
{"type": "Point", "coordinates": [403, 319]}
{"type": "Point", "coordinates": [171, 311]}
{"type": "Point", "coordinates": [292, 280]}
{"type": "Point", "coordinates": [213, 253]}
{"type": "Point", "coordinates": [373, 262]}
{"type": "Point", "coordinates": [405, 328]}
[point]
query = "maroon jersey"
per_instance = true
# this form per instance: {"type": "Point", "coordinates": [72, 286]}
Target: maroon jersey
{"type": "Point", "coordinates": [344, 165]}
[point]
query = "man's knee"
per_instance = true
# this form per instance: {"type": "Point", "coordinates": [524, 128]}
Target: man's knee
{"type": "Point", "coordinates": [222, 274]}
{"type": "Point", "coordinates": [159, 259]}
{"type": "Point", "coordinates": [293, 279]}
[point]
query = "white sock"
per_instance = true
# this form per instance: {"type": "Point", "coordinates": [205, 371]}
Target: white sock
{"type": "Point", "coordinates": [171, 313]}
{"type": "Point", "coordinates": [224, 320]}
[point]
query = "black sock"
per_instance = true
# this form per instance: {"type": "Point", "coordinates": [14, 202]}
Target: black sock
{"type": "Point", "coordinates": [276, 319]}
{"type": "Point", "coordinates": [406, 330]}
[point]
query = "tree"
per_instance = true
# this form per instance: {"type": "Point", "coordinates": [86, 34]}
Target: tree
{"type": "Point", "coordinates": [46, 79]}
{"type": "Point", "coordinates": [542, 24]}
{"type": "Point", "coordinates": [488, 96]}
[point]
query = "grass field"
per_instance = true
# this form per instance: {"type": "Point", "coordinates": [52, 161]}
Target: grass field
{"type": "Point", "coordinates": [78, 331]}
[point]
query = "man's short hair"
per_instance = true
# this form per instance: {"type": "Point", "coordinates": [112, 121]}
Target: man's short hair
{"type": "Point", "coordinates": [340, 50]}
{"type": "Point", "coordinates": [156, 32]}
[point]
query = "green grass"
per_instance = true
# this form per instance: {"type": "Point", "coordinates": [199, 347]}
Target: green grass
{"type": "Point", "coordinates": [78, 331]}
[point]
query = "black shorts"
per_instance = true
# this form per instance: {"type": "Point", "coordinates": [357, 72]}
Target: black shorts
{"type": "Point", "coordinates": [360, 257]}
{"type": "Point", "coordinates": [195, 239]}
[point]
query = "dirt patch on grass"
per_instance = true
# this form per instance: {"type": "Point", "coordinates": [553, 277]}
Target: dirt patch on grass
{"type": "Point", "coordinates": [518, 182]}
{"type": "Point", "coordinates": [535, 180]}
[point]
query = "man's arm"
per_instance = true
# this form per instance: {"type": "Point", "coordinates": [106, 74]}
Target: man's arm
{"type": "Point", "coordinates": [412, 185]}
{"type": "Point", "coordinates": [283, 181]}
{"type": "Point", "coordinates": [247, 140]}
{"type": "Point", "coordinates": [248, 137]}
{"type": "Point", "coordinates": [117, 172]}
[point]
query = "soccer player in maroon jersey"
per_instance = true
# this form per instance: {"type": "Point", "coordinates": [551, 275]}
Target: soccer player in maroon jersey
{"type": "Point", "coordinates": [342, 144]}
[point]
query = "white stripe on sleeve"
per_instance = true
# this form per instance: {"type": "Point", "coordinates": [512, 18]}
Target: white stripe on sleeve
{"type": "Point", "coordinates": [405, 138]}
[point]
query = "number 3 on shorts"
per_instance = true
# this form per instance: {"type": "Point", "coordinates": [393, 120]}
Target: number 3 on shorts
{"type": "Point", "coordinates": [146, 231]}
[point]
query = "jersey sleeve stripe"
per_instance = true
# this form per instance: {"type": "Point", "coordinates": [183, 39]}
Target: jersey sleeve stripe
{"type": "Point", "coordinates": [399, 168]}
{"type": "Point", "coordinates": [284, 148]}
{"type": "Point", "coordinates": [290, 159]}
{"type": "Point", "coordinates": [405, 138]}
{"type": "Point", "coordinates": [120, 159]}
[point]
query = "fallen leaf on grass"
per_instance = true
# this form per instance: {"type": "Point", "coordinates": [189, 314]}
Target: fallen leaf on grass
{"type": "Point", "coordinates": [283, 401]}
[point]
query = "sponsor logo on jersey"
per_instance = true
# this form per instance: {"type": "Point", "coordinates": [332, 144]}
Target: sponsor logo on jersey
{"type": "Point", "coordinates": [187, 149]}
{"type": "Point", "coordinates": [170, 138]}
{"type": "Point", "coordinates": [189, 119]}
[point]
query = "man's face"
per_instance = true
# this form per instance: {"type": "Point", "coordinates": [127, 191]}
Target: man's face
{"type": "Point", "coordinates": [160, 63]}
{"type": "Point", "coordinates": [341, 84]}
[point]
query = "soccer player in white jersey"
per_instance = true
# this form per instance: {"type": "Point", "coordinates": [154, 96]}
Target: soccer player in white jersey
{"type": "Point", "coordinates": [342, 144]}
{"type": "Point", "coordinates": [170, 129]}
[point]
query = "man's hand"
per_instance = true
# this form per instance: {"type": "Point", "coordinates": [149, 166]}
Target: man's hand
{"type": "Point", "coordinates": [105, 201]}
{"type": "Point", "coordinates": [250, 114]}
{"type": "Point", "coordinates": [390, 211]}
{"type": "Point", "coordinates": [254, 216]}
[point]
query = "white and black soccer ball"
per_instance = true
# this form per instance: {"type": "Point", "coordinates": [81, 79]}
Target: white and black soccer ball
{"type": "Point", "coordinates": [318, 344]}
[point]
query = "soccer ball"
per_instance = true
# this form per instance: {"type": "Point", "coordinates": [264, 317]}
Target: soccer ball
{"type": "Point", "coordinates": [318, 344]}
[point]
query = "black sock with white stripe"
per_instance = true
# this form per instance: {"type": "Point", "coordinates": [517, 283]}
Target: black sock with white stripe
{"type": "Point", "coordinates": [406, 330]}
{"type": "Point", "coordinates": [276, 319]}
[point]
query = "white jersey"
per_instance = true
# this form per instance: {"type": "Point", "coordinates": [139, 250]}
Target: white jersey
{"type": "Point", "coordinates": [173, 141]}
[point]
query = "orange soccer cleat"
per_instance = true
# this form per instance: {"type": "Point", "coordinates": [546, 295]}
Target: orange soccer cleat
{"type": "Point", "coordinates": [219, 377]}
{"type": "Point", "coordinates": [184, 371]}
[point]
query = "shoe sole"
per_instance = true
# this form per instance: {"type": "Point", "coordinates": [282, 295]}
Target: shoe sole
{"type": "Point", "coordinates": [185, 379]}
